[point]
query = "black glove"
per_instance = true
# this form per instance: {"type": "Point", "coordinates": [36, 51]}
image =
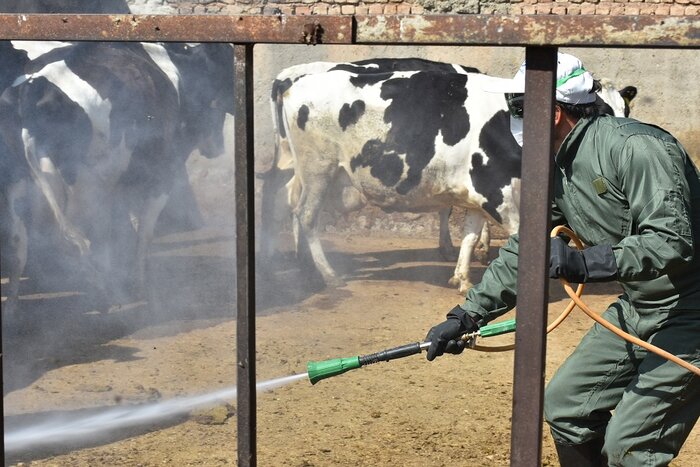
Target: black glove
{"type": "Point", "coordinates": [444, 337]}
{"type": "Point", "coordinates": [594, 264]}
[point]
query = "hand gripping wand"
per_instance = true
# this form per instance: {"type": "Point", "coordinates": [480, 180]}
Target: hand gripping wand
{"type": "Point", "coordinates": [336, 366]}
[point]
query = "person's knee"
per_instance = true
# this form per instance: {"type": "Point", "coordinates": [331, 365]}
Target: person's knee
{"type": "Point", "coordinates": [557, 410]}
{"type": "Point", "coordinates": [621, 454]}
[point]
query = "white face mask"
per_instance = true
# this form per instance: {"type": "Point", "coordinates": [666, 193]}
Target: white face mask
{"type": "Point", "coordinates": [516, 128]}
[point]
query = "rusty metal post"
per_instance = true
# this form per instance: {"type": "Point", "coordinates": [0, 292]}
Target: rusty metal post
{"type": "Point", "coordinates": [2, 398]}
{"type": "Point", "coordinates": [245, 253]}
{"type": "Point", "coordinates": [533, 260]}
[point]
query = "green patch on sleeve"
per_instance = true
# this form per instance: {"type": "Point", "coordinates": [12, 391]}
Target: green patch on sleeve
{"type": "Point", "coordinates": [600, 186]}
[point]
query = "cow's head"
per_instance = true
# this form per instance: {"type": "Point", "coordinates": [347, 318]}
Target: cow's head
{"type": "Point", "coordinates": [611, 101]}
{"type": "Point", "coordinates": [206, 94]}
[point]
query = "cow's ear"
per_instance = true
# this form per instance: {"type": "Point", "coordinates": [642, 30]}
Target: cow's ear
{"type": "Point", "coordinates": [628, 93]}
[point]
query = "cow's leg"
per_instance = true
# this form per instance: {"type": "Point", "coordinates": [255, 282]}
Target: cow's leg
{"type": "Point", "coordinates": [274, 211]}
{"type": "Point", "coordinates": [446, 248]}
{"type": "Point", "coordinates": [17, 241]}
{"type": "Point", "coordinates": [146, 226]}
{"type": "Point", "coordinates": [481, 253]}
{"type": "Point", "coordinates": [473, 225]}
{"type": "Point", "coordinates": [307, 212]}
{"type": "Point", "coordinates": [45, 182]}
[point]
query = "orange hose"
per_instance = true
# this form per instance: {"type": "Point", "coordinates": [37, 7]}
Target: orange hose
{"type": "Point", "coordinates": [576, 301]}
{"type": "Point", "coordinates": [560, 318]}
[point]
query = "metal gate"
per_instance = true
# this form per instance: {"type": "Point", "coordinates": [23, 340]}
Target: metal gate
{"type": "Point", "coordinates": [541, 35]}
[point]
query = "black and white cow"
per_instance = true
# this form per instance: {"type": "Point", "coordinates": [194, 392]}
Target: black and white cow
{"type": "Point", "coordinates": [102, 130]}
{"type": "Point", "coordinates": [401, 134]}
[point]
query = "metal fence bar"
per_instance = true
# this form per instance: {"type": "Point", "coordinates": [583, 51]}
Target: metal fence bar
{"type": "Point", "coordinates": [245, 254]}
{"type": "Point", "coordinates": [2, 398]}
{"type": "Point", "coordinates": [178, 28]}
{"type": "Point", "coordinates": [544, 30]}
{"type": "Point", "coordinates": [500, 30]}
{"type": "Point", "coordinates": [533, 259]}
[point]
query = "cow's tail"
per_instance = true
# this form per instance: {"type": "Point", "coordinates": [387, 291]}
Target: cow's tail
{"type": "Point", "coordinates": [275, 208]}
{"type": "Point", "coordinates": [67, 229]}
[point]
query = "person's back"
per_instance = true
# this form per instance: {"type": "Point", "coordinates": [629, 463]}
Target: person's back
{"type": "Point", "coordinates": [610, 159]}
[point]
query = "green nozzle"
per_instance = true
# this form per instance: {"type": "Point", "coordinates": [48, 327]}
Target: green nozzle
{"type": "Point", "coordinates": [497, 328]}
{"type": "Point", "coordinates": [327, 368]}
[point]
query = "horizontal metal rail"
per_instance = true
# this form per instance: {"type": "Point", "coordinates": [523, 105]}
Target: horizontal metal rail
{"type": "Point", "coordinates": [525, 30]}
{"type": "Point", "coordinates": [178, 28]}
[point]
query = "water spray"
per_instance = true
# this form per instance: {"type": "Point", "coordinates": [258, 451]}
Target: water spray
{"type": "Point", "coordinates": [67, 428]}
{"type": "Point", "coordinates": [337, 366]}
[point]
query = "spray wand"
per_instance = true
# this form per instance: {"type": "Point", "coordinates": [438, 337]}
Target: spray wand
{"type": "Point", "coordinates": [336, 366]}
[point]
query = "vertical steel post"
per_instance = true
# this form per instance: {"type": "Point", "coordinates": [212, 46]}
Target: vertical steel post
{"type": "Point", "coordinates": [2, 398]}
{"type": "Point", "coordinates": [245, 253]}
{"type": "Point", "coordinates": [533, 260]}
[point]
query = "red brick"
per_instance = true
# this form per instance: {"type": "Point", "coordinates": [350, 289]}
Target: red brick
{"type": "Point", "coordinates": [543, 8]}
{"type": "Point", "coordinates": [602, 9]}
{"type": "Point", "coordinates": [516, 10]}
{"type": "Point", "coordinates": [389, 9]}
{"type": "Point", "coordinates": [334, 10]}
{"type": "Point", "coordinates": [417, 10]}
{"type": "Point", "coordinates": [320, 9]}
{"type": "Point", "coordinates": [403, 9]}
{"type": "Point", "coordinates": [588, 9]}
{"type": "Point", "coordinates": [631, 10]}
{"type": "Point", "coordinates": [573, 10]}
{"type": "Point", "coordinates": [617, 10]}
{"type": "Point", "coordinates": [692, 10]}
{"type": "Point", "coordinates": [529, 9]}
{"type": "Point", "coordinates": [559, 10]}
{"type": "Point", "coordinates": [663, 10]}
{"type": "Point", "coordinates": [677, 10]}
{"type": "Point", "coordinates": [376, 9]}
{"type": "Point", "coordinates": [347, 10]}
{"type": "Point", "coordinates": [361, 10]}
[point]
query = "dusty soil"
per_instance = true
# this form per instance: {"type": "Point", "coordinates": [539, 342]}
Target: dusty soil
{"type": "Point", "coordinates": [65, 357]}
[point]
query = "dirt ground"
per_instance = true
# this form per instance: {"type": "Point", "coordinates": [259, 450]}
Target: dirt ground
{"type": "Point", "coordinates": [63, 357]}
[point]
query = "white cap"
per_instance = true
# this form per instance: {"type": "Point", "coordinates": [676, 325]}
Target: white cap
{"type": "Point", "coordinates": [573, 85]}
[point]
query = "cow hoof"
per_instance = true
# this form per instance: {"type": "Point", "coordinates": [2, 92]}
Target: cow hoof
{"type": "Point", "coordinates": [454, 281]}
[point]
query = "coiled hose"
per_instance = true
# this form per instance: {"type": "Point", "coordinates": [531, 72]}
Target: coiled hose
{"type": "Point", "coordinates": [576, 300]}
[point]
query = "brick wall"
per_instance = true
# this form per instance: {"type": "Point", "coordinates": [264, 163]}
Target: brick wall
{"type": "Point", "coordinates": [377, 7]}
{"type": "Point", "coordinates": [606, 7]}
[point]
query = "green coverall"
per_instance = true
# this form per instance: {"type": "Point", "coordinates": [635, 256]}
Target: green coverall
{"type": "Point", "coordinates": [630, 185]}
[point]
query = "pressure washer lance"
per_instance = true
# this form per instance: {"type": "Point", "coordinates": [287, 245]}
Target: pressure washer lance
{"type": "Point", "coordinates": [336, 366]}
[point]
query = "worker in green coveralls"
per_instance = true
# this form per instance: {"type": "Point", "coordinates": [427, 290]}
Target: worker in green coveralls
{"type": "Point", "coordinates": [630, 192]}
